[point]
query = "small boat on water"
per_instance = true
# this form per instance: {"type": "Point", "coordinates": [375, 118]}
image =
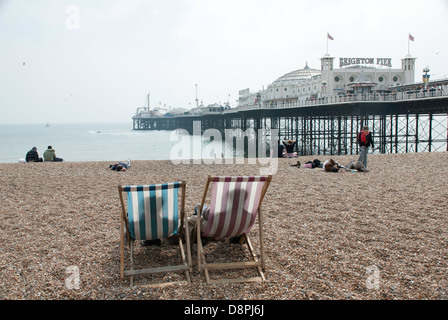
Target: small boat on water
{"type": "Point", "coordinates": [47, 125]}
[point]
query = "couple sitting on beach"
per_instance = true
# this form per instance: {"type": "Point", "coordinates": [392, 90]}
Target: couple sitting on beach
{"type": "Point", "coordinates": [49, 155]}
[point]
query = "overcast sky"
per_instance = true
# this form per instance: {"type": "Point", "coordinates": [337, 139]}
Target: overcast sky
{"type": "Point", "coordinates": [96, 61]}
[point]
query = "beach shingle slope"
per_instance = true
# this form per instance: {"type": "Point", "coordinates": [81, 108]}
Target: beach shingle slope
{"type": "Point", "coordinates": [376, 235]}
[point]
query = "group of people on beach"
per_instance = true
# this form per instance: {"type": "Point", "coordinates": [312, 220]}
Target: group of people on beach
{"type": "Point", "coordinates": [364, 140]}
{"type": "Point", "coordinates": [331, 165]}
{"type": "Point", "coordinates": [48, 156]}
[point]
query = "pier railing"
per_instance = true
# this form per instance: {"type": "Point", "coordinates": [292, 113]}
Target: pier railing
{"type": "Point", "coordinates": [379, 97]}
{"type": "Point", "coordinates": [336, 99]}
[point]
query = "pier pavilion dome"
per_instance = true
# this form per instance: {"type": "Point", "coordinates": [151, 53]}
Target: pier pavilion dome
{"type": "Point", "coordinates": [297, 76]}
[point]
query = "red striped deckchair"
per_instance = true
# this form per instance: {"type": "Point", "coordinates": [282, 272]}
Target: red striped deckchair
{"type": "Point", "coordinates": [235, 203]}
{"type": "Point", "coordinates": [152, 212]}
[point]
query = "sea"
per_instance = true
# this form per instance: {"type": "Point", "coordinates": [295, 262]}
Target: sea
{"type": "Point", "coordinates": [114, 142]}
{"type": "Point", "coordinates": [118, 142]}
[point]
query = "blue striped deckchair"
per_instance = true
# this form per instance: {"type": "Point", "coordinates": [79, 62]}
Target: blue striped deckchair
{"type": "Point", "coordinates": [235, 203]}
{"type": "Point", "coordinates": [151, 212]}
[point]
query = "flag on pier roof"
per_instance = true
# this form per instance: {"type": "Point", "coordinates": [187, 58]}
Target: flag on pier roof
{"type": "Point", "coordinates": [411, 37]}
{"type": "Point", "coordinates": [329, 37]}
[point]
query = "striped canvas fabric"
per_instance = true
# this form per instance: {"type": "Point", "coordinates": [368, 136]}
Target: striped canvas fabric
{"type": "Point", "coordinates": [153, 210]}
{"type": "Point", "coordinates": [233, 206]}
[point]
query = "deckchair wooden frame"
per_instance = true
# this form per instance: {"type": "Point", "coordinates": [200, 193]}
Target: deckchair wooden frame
{"type": "Point", "coordinates": [256, 263]}
{"type": "Point", "coordinates": [124, 232]}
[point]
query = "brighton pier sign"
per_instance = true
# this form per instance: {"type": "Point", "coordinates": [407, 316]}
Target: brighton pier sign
{"type": "Point", "coordinates": [379, 61]}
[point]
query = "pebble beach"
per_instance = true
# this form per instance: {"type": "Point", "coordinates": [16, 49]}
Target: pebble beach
{"type": "Point", "coordinates": [378, 235]}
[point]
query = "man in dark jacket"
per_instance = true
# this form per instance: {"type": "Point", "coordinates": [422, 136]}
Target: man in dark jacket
{"type": "Point", "coordinates": [365, 141]}
{"type": "Point", "coordinates": [33, 156]}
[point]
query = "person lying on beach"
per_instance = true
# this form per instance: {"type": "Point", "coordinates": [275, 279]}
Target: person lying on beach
{"type": "Point", "coordinates": [120, 166]}
{"type": "Point", "coordinates": [357, 165]}
{"type": "Point", "coordinates": [313, 164]}
{"type": "Point", "coordinates": [331, 166]}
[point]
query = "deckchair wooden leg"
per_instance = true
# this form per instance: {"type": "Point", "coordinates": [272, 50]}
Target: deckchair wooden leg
{"type": "Point", "coordinates": [187, 240]}
{"type": "Point", "coordinates": [182, 253]}
{"type": "Point", "coordinates": [251, 247]}
{"type": "Point", "coordinates": [199, 243]}
{"type": "Point", "coordinates": [201, 257]}
{"type": "Point", "coordinates": [252, 252]}
{"type": "Point", "coordinates": [260, 224]}
{"type": "Point", "coordinates": [207, 276]}
{"type": "Point", "coordinates": [192, 237]}
{"type": "Point", "coordinates": [121, 251]}
{"type": "Point", "coordinates": [131, 244]}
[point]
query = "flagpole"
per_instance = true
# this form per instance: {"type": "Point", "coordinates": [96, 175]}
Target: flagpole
{"type": "Point", "coordinates": [409, 45]}
{"type": "Point", "coordinates": [327, 42]}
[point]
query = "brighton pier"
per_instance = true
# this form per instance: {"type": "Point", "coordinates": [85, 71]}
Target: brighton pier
{"type": "Point", "coordinates": [414, 124]}
{"type": "Point", "coordinates": [324, 109]}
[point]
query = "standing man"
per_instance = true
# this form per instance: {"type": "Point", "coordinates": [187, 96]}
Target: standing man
{"type": "Point", "coordinates": [365, 141]}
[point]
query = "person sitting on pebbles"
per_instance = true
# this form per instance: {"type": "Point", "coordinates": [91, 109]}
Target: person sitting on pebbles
{"type": "Point", "coordinates": [33, 156]}
{"type": "Point", "coordinates": [289, 145]}
{"type": "Point", "coordinates": [50, 155]}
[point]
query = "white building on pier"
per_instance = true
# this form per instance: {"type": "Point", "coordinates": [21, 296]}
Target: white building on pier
{"type": "Point", "coordinates": [353, 76]}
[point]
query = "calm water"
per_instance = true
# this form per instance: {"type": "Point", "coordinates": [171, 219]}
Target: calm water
{"type": "Point", "coordinates": [95, 142]}
{"type": "Point", "coordinates": [113, 142]}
